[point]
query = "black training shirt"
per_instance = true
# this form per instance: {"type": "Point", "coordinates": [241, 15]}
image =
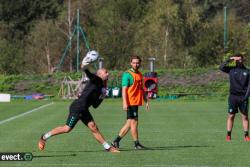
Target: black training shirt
{"type": "Point", "coordinates": [92, 94]}
{"type": "Point", "coordinates": [239, 78]}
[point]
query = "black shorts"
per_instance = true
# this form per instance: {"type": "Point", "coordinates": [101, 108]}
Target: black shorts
{"type": "Point", "coordinates": [132, 112]}
{"type": "Point", "coordinates": [236, 104]}
{"type": "Point", "coordinates": [74, 117]}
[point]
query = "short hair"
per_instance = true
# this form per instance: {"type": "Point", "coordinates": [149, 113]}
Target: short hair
{"type": "Point", "coordinates": [238, 55]}
{"type": "Point", "coordinates": [135, 57]}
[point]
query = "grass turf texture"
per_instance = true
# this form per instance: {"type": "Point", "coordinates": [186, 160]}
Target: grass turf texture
{"type": "Point", "coordinates": [178, 133]}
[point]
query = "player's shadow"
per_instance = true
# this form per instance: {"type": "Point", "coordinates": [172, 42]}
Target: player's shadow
{"type": "Point", "coordinates": [85, 151]}
{"type": "Point", "coordinates": [74, 153]}
{"type": "Point", "coordinates": [167, 148]}
{"type": "Point", "coordinates": [53, 156]}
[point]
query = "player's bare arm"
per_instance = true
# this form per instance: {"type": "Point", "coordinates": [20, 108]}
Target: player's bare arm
{"type": "Point", "coordinates": [124, 98]}
{"type": "Point", "coordinates": [235, 58]}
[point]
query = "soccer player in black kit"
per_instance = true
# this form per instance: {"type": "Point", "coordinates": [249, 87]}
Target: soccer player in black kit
{"type": "Point", "coordinates": [239, 77]}
{"type": "Point", "coordinates": [92, 95]}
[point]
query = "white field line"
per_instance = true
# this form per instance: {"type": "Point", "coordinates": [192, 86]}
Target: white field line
{"type": "Point", "coordinates": [23, 114]}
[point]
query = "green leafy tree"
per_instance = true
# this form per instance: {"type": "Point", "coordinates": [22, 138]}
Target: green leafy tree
{"type": "Point", "coordinates": [178, 33]}
{"type": "Point", "coordinates": [20, 15]}
{"type": "Point", "coordinates": [114, 29]}
{"type": "Point", "coordinates": [11, 61]}
{"type": "Point", "coordinates": [43, 47]}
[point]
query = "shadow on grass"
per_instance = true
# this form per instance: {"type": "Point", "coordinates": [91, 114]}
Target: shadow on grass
{"type": "Point", "coordinates": [53, 156]}
{"type": "Point", "coordinates": [74, 153]}
{"type": "Point", "coordinates": [69, 151]}
{"type": "Point", "coordinates": [167, 148]}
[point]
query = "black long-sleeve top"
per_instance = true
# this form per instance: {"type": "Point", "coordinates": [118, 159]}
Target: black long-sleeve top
{"type": "Point", "coordinates": [92, 94]}
{"type": "Point", "coordinates": [239, 79]}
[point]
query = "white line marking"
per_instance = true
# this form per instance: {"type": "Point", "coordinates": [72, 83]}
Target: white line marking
{"type": "Point", "coordinates": [23, 114]}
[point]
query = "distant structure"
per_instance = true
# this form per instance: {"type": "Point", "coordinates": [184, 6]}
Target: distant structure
{"type": "Point", "coordinates": [78, 30]}
{"type": "Point", "coordinates": [71, 89]}
{"type": "Point", "coordinates": [151, 80]}
{"type": "Point", "coordinates": [100, 62]}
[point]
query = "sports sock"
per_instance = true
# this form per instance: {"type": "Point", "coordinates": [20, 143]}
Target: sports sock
{"type": "Point", "coordinates": [106, 145]}
{"type": "Point", "coordinates": [229, 133]}
{"type": "Point", "coordinates": [136, 142]}
{"type": "Point", "coordinates": [246, 133]}
{"type": "Point", "coordinates": [118, 139]}
{"type": "Point", "coordinates": [46, 136]}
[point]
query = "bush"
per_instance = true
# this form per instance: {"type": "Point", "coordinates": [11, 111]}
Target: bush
{"type": "Point", "coordinates": [50, 84]}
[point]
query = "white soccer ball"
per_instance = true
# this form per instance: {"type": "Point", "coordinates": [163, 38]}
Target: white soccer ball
{"type": "Point", "coordinates": [90, 57]}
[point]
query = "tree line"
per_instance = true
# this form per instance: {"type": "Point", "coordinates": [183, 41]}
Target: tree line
{"type": "Point", "coordinates": [178, 33]}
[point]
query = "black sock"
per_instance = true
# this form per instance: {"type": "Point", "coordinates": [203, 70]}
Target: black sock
{"type": "Point", "coordinates": [229, 133]}
{"type": "Point", "coordinates": [118, 138]}
{"type": "Point", "coordinates": [136, 142]}
{"type": "Point", "coordinates": [246, 133]}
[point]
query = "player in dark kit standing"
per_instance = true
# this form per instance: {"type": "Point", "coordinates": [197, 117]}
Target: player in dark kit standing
{"type": "Point", "coordinates": [92, 95]}
{"type": "Point", "coordinates": [239, 91]}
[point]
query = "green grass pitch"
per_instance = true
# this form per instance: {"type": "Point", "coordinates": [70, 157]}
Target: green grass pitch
{"type": "Point", "coordinates": [179, 133]}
